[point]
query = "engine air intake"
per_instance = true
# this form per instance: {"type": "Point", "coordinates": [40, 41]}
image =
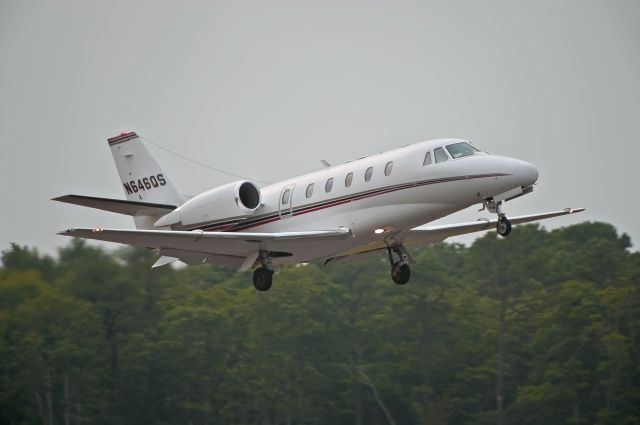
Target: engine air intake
{"type": "Point", "coordinates": [249, 195]}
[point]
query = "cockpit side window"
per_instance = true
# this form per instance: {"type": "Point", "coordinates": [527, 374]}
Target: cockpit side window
{"type": "Point", "coordinates": [459, 150]}
{"type": "Point", "coordinates": [427, 158]}
{"type": "Point", "coordinates": [440, 155]}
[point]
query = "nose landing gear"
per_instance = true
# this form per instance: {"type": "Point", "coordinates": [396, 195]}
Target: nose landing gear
{"type": "Point", "coordinates": [504, 225]}
{"type": "Point", "coordinates": [400, 270]}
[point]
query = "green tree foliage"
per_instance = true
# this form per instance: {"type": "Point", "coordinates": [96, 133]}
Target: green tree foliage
{"type": "Point", "coordinates": [538, 328]}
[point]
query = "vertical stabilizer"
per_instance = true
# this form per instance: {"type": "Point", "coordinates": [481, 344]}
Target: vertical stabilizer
{"type": "Point", "coordinates": [141, 176]}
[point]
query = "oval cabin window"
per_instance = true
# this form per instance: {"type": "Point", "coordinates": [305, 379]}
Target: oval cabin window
{"type": "Point", "coordinates": [368, 174]}
{"type": "Point", "coordinates": [348, 180]}
{"type": "Point", "coordinates": [310, 190]}
{"type": "Point", "coordinates": [329, 185]}
{"type": "Point", "coordinates": [388, 168]}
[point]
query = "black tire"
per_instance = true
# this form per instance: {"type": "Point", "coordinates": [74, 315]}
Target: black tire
{"type": "Point", "coordinates": [262, 279]}
{"type": "Point", "coordinates": [503, 227]}
{"type": "Point", "coordinates": [401, 273]}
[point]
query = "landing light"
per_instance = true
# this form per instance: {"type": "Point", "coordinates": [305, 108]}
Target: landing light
{"type": "Point", "coordinates": [378, 231]}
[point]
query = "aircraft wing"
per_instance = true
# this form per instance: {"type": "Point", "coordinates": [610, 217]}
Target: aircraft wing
{"type": "Point", "coordinates": [199, 246]}
{"type": "Point", "coordinates": [432, 234]}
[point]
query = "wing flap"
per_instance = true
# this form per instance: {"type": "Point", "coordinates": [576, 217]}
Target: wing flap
{"type": "Point", "coordinates": [120, 206]}
{"type": "Point", "coordinates": [359, 255]}
{"type": "Point", "coordinates": [193, 258]}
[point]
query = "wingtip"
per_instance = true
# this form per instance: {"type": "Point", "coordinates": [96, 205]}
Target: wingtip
{"type": "Point", "coordinates": [575, 210]}
{"type": "Point", "coordinates": [66, 232]}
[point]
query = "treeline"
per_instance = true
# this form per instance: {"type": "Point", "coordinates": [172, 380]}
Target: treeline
{"type": "Point", "coordinates": [538, 328]}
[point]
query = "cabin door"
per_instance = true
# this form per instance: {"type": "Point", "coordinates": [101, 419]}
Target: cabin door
{"type": "Point", "coordinates": [286, 201]}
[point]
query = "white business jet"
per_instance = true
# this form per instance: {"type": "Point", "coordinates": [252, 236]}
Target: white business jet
{"type": "Point", "coordinates": [373, 205]}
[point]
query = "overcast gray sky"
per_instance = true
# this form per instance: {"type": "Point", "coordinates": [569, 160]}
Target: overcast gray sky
{"type": "Point", "coordinates": [268, 88]}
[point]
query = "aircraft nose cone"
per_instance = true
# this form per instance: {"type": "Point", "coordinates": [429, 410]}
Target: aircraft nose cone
{"type": "Point", "coordinates": [527, 173]}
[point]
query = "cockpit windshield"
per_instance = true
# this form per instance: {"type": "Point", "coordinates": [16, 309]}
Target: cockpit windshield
{"type": "Point", "coordinates": [459, 150]}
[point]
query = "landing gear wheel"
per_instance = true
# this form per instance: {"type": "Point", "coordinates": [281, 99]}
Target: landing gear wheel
{"type": "Point", "coordinates": [504, 226]}
{"type": "Point", "coordinates": [262, 279]}
{"type": "Point", "coordinates": [400, 270]}
{"type": "Point", "coordinates": [401, 273]}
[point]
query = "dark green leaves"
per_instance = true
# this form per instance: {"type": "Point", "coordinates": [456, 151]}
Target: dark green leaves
{"type": "Point", "coordinates": [548, 321]}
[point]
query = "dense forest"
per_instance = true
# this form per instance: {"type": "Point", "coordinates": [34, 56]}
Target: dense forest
{"type": "Point", "coordinates": [537, 328]}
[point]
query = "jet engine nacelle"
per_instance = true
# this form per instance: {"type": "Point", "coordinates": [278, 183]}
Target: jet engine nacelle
{"type": "Point", "coordinates": [241, 198]}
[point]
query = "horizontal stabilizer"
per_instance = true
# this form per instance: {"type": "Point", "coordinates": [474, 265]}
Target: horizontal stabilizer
{"type": "Point", "coordinates": [120, 206]}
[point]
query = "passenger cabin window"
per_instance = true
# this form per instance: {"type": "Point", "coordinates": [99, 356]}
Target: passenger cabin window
{"type": "Point", "coordinates": [329, 185]}
{"type": "Point", "coordinates": [285, 197]}
{"type": "Point", "coordinates": [310, 190]}
{"type": "Point", "coordinates": [440, 155]}
{"type": "Point", "coordinates": [427, 158]}
{"type": "Point", "coordinates": [388, 168]}
{"type": "Point", "coordinates": [459, 150]}
{"type": "Point", "coordinates": [368, 174]}
{"type": "Point", "coordinates": [348, 180]}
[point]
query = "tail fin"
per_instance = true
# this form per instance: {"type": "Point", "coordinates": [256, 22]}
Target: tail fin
{"type": "Point", "coordinates": [141, 176]}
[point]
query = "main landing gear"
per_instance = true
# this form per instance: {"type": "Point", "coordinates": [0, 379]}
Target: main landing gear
{"type": "Point", "coordinates": [400, 270]}
{"type": "Point", "coordinates": [503, 227]}
{"type": "Point", "coordinates": [263, 276]}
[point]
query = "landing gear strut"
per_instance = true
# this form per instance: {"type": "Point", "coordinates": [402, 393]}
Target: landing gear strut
{"type": "Point", "coordinates": [400, 270]}
{"type": "Point", "coordinates": [263, 276]}
{"type": "Point", "coordinates": [504, 225]}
